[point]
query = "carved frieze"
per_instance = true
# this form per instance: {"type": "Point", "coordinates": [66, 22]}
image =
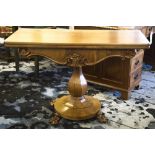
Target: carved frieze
{"type": "Point", "coordinates": [78, 57]}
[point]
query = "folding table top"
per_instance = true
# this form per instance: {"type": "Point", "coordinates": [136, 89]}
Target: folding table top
{"type": "Point", "coordinates": [57, 38]}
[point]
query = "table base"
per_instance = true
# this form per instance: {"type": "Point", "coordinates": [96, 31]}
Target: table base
{"type": "Point", "coordinates": [77, 108]}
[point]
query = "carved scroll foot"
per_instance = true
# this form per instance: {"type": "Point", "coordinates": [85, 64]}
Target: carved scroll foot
{"type": "Point", "coordinates": [101, 117]}
{"type": "Point", "coordinates": [55, 119]}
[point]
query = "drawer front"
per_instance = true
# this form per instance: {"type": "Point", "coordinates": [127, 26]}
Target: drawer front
{"type": "Point", "coordinates": [137, 61]}
{"type": "Point", "coordinates": [135, 77]}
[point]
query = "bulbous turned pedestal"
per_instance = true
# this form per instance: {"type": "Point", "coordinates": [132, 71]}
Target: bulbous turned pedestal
{"type": "Point", "coordinates": [77, 85]}
{"type": "Point", "coordinates": [77, 106]}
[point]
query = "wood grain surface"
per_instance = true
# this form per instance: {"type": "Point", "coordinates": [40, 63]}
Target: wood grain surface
{"type": "Point", "coordinates": [43, 38]}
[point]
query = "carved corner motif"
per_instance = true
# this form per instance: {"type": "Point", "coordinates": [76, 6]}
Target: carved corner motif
{"type": "Point", "coordinates": [131, 53]}
{"type": "Point", "coordinates": [128, 54]}
{"type": "Point", "coordinates": [25, 52]}
{"type": "Point", "coordinates": [76, 60]}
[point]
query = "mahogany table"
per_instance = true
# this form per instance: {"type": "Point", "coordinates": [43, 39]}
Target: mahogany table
{"type": "Point", "coordinates": [77, 48]}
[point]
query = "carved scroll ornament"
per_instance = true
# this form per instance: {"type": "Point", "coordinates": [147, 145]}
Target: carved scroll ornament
{"type": "Point", "coordinates": [25, 52]}
{"type": "Point", "coordinates": [76, 60]}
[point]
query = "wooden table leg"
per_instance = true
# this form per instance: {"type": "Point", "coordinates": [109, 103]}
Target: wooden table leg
{"type": "Point", "coordinates": [36, 62]}
{"type": "Point", "coordinates": [77, 106]}
{"type": "Point", "coordinates": [16, 59]}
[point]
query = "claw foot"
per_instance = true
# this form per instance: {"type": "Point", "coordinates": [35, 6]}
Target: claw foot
{"type": "Point", "coordinates": [55, 119]}
{"type": "Point", "coordinates": [102, 118]}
